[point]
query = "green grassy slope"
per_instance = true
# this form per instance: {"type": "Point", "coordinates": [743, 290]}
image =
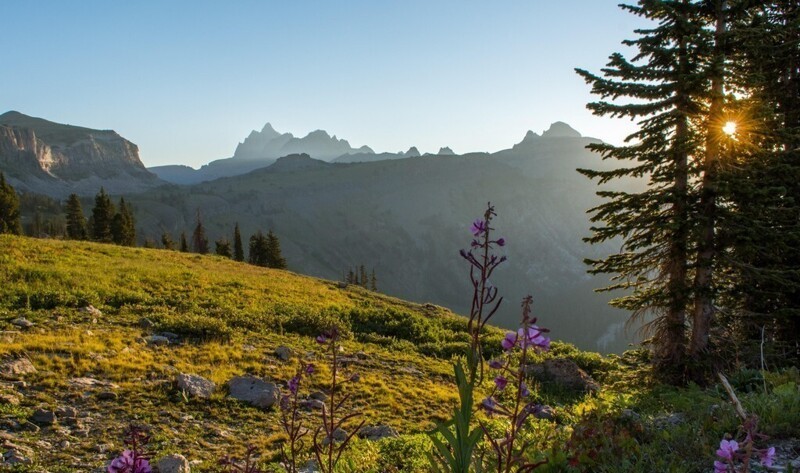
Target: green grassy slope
{"type": "Point", "coordinates": [231, 316]}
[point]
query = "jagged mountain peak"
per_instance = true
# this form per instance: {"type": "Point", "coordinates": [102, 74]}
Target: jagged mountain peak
{"type": "Point", "coordinates": [561, 130]}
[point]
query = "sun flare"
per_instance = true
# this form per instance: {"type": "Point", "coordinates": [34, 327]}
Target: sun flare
{"type": "Point", "coordinates": [729, 128]}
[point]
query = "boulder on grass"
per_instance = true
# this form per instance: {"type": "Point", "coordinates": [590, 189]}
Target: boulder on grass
{"type": "Point", "coordinates": [173, 463]}
{"type": "Point", "coordinates": [562, 373]}
{"type": "Point", "coordinates": [254, 391]}
{"type": "Point", "coordinates": [195, 386]}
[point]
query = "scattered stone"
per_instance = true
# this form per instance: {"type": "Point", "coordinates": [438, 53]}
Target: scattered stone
{"type": "Point", "coordinates": [377, 432]}
{"type": "Point", "coordinates": [107, 396]}
{"type": "Point", "coordinates": [156, 340]}
{"type": "Point", "coordinates": [172, 337]}
{"type": "Point", "coordinates": [92, 311]}
{"type": "Point", "coordinates": [318, 395]}
{"type": "Point", "coordinates": [195, 386]}
{"type": "Point", "coordinates": [341, 285]}
{"type": "Point", "coordinates": [43, 417]}
{"type": "Point", "coordinates": [10, 399]}
{"type": "Point", "coordinates": [545, 413]}
{"type": "Point", "coordinates": [253, 390]}
{"type": "Point", "coordinates": [310, 467]}
{"type": "Point", "coordinates": [671, 420]}
{"type": "Point", "coordinates": [22, 322]}
{"type": "Point", "coordinates": [87, 382]}
{"type": "Point", "coordinates": [173, 463]}
{"type": "Point", "coordinates": [283, 353]}
{"type": "Point", "coordinates": [312, 404]}
{"type": "Point", "coordinates": [28, 426]}
{"type": "Point", "coordinates": [563, 373]}
{"type": "Point", "coordinates": [15, 369]}
{"type": "Point", "coordinates": [14, 457]}
{"type": "Point", "coordinates": [144, 322]}
{"type": "Point", "coordinates": [339, 435]}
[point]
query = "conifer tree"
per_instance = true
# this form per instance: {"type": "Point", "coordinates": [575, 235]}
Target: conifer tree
{"type": "Point", "coordinates": [123, 227]}
{"type": "Point", "coordinates": [10, 220]}
{"type": "Point", "coordinates": [76, 221]}
{"type": "Point", "coordinates": [223, 247]}
{"type": "Point", "coordinates": [199, 240]}
{"type": "Point", "coordinates": [184, 243]}
{"type": "Point", "coordinates": [373, 281]}
{"type": "Point", "coordinates": [102, 217]}
{"type": "Point", "coordinates": [364, 282]}
{"type": "Point", "coordinates": [665, 85]}
{"type": "Point", "coordinates": [238, 249]}
{"type": "Point", "coordinates": [166, 241]}
{"type": "Point", "coordinates": [273, 252]}
{"type": "Point", "coordinates": [258, 250]}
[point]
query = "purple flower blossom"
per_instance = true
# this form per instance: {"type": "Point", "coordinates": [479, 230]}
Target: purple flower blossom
{"type": "Point", "coordinates": [501, 242]}
{"type": "Point", "coordinates": [294, 383]}
{"type": "Point", "coordinates": [495, 364]}
{"type": "Point", "coordinates": [727, 448]}
{"type": "Point", "coordinates": [322, 339]}
{"type": "Point", "coordinates": [509, 341]}
{"type": "Point", "coordinates": [309, 369]}
{"type": "Point", "coordinates": [500, 382]}
{"type": "Point", "coordinates": [489, 404]}
{"type": "Point", "coordinates": [534, 338]}
{"type": "Point", "coordinates": [523, 390]}
{"type": "Point", "coordinates": [128, 463]}
{"type": "Point", "coordinates": [720, 467]}
{"type": "Point", "coordinates": [767, 456]}
{"type": "Point", "coordinates": [478, 227]}
{"type": "Point", "coordinates": [475, 243]}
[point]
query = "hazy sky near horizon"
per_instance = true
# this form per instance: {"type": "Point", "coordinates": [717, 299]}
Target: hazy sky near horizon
{"type": "Point", "coordinates": [188, 80]}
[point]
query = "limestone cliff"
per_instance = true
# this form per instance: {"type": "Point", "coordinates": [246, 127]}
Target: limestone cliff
{"type": "Point", "coordinates": [50, 158]}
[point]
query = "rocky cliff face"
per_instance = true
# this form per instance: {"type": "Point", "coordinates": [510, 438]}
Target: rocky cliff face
{"type": "Point", "coordinates": [54, 159]}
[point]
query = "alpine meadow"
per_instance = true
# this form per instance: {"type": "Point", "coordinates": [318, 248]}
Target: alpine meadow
{"type": "Point", "coordinates": [490, 298]}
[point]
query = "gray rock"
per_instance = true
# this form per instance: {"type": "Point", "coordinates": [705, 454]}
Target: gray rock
{"type": "Point", "coordinates": [312, 404]}
{"type": "Point", "coordinates": [172, 337]}
{"type": "Point", "coordinates": [173, 463]}
{"type": "Point", "coordinates": [253, 390]}
{"type": "Point", "coordinates": [377, 432]}
{"type": "Point", "coordinates": [14, 457]}
{"type": "Point", "coordinates": [107, 396]}
{"type": "Point", "coordinates": [318, 395]}
{"type": "Point", "coordinates": [563, 373]}
{"type": "Point", "coordinates": [15, 369]}
{"type": "Point", "coordinates": [156, 340]}
{"type": "Point", "coordinates": [92, 311]}
{"type": "Point", "coordinates": [310, 467]}
{"type": "Point", "coordinates": [43, 417]}
{"type": "Point", "coordinates": [22, 322]}
{"type": "Point", "coordinates": [339, 435]}
{"type": "Point", "coordinates": [283, 353]}
{"type": "Point", "coordinates": [545, 413]}
{"type": "Point", "coordinates": [195, 386]}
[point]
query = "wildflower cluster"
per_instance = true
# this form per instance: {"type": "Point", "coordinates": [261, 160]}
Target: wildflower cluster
{"type": "Point", "coordinates": [291, 422]}
{"type": "Point", "coordinates": [734, 457]}
{"type": "Point", "coordinates": [133, 459]}
{"type": "Point", "coordinates": [508, 453]}
{"type": "Point", "coordinates": [326, 449]}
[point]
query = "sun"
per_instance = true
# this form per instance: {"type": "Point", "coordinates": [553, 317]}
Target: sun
{"type": "Point", "coordinates": [729, 128]}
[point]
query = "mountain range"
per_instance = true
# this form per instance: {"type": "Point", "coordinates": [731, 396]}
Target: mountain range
{"type": "Point", "coordinates": [405, 215]}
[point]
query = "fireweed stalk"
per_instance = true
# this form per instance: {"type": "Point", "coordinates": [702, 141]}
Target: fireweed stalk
{"type": "Point", "coordinates": [133, 459]}
{"type": "Point", "coordinates": [509, 455]}
{"type": "Point", "coordinates": [291, 422]}
{"type": "Point", "coordinates": [248, 465]}
{"type": "Point", "coordinates": [327, 451]}
{"type": "Point", "coordinates": [454, 454]}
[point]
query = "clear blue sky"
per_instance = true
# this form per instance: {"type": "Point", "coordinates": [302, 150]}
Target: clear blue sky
{"type": "Point", "coordinates": [188, 80]}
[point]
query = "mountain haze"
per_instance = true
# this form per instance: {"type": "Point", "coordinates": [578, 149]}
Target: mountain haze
{"type": "Point", "coordinates": [407, 219]}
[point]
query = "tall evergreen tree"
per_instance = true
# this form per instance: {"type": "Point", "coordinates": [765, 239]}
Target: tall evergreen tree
{"type": "Point", "coordinates": [76, 221]}
{"type": "Point", "coordinates": [102, 217]}
{"type": "Point", "coordinates": [373, 281]}
{"type": "Point", "coordinates": [199, 239]}
{"type": "Point", "coordinates": [184, 244]}
{"type": "Point", "coordinates": [10, 220]}
{"type": "Point", "coordinates": [258, 250]}
{"type": "Point", "coordinates": [123, 227]}
{"type": "Point", "coordinates": [166, 241]}
{"type": "Point", "coordinates": [665, 81]}
{"type": "Point", "coordinates": [223, 247]}
{"type": "Point", "coordinates": [274, 257]}
{"type": "Point", "coordinates": [238, 249]}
